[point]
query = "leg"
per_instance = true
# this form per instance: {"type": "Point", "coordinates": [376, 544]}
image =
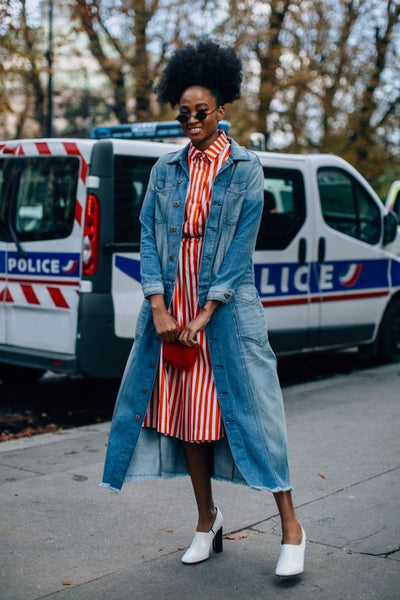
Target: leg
{"type": "Point", "coordinates": [291, 529]}
{"type": "Point", "coordinates": [199, 462]}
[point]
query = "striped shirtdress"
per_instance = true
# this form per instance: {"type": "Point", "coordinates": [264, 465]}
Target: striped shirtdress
{"type": "Point", "coordinates": [184, 404]}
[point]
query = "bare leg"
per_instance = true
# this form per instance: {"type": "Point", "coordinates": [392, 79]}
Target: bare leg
{"type": "Point", "coordinates": [199, 462]}
{"type": "Point", "coordinates": [291, 529]}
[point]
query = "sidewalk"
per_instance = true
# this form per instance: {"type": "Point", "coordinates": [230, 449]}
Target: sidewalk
{"type": "Point", "coordinates": [64, 537]}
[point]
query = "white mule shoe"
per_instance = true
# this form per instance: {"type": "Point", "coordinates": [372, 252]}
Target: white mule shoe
{"type": "Point", "coordinates": [291, 558]}
{"type": "Point", "coordinates": [203, 540]}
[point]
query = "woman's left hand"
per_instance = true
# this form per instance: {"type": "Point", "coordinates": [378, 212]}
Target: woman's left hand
{"type": "Point", "coordinates": [188, 335]}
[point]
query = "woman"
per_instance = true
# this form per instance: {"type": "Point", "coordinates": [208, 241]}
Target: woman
{"type": "Point", "coordinates": [222, 415]}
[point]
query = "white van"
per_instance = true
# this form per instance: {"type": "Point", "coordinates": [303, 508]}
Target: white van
{"type": "Point", "coordinates": [69, 253]}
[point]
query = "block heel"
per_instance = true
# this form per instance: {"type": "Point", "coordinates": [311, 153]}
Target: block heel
{"type": "Point", "coordinates": [218, 541]}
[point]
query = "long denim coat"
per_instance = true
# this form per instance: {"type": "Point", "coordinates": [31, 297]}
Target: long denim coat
{"type": "Point", "coordinates": [254, 450]}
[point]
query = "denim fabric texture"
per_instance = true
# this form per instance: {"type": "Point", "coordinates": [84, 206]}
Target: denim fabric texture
{"type": "Point", "coordinates": [254, 451]}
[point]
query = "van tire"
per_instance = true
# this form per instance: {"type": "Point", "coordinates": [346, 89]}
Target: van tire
{"type": "Point", "coordinates": [388, 342]}
{"type": "Point", "coordinates": [17, 375]}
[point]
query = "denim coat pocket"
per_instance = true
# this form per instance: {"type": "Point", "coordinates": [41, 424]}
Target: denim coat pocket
{"type": "Point", "coordinates": [250, 315]}
{"type": "Point", "coordinates": [163, 193]}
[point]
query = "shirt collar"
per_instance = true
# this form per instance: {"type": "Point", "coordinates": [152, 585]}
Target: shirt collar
{"type": "Point", "coordinates": [212, 152]}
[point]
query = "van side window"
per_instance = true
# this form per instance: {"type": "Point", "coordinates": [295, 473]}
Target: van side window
{"type": "Point", "coordinates": [42, 197]}
{"type": "Point", "coordinates": [347, 207]}
{"type": "Point", "coordinates": [284, 208]}
{"type": "Point", "coordinates": [131, 176]}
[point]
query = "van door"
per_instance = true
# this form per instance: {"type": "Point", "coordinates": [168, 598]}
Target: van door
{"type": "Point", "coordinates": [43, 269]}
{"type": "Point", "coordinates": [282, 261]}
{"type": "Point", "coordinates": [352, 268]}
{"type": "Point", "coordinates": [131, 177]}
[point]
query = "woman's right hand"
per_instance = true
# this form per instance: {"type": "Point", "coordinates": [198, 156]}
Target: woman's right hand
{"type": "Point", "coordinates": [166, 326]}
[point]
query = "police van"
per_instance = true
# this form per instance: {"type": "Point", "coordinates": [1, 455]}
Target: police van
{"type": "Point", "coordinates": [70, 288]}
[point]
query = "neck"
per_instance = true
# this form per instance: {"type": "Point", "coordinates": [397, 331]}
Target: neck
{"type": "Point", "coordinates": [204, 144]}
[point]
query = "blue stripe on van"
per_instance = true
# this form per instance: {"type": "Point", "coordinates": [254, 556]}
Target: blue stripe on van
{"type": "Point", "coordinates": [288, 279]}
{"type": "Point", "coordinates": [395, 273]}
{"type": "Point", "coordinates": [280, 280]}
{"type": "Point", "coordinates": [129, 266]}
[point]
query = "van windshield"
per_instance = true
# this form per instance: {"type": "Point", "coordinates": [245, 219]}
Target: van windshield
{"type": "Point", "coordinates": [38, 194]}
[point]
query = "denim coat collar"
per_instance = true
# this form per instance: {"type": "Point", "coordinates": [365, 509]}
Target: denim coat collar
{"type": "Point", "coordinates": [237, 153]}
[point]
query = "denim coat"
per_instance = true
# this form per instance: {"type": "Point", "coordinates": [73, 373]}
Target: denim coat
{"type": "Point", "coordinates": [254, 450]}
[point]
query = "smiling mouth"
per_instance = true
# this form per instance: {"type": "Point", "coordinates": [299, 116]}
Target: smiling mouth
{"type": "Point", "coordinates": [194, 129]}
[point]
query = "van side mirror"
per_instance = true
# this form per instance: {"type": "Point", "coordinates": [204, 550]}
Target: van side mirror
{"type": "Point", "coordinates": [389, 227]}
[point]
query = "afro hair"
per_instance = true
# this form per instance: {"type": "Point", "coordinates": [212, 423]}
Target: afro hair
{"type": "Point", "coordinates": [207, 64]}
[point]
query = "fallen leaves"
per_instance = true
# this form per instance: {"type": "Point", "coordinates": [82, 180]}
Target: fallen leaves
{"type": "Point", "coordinates": [5, 436]}
{"type": "Point", "coordinates": [231, 536]}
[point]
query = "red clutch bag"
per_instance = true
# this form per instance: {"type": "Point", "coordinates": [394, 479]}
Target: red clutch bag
{"type": "Point", "coordinates": [179, 356]}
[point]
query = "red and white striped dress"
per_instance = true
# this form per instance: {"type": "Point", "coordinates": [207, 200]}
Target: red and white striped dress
{"type": "Point", "coordinates": [184, 404]}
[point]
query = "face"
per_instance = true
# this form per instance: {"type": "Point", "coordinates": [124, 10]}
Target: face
{"type": "Point", "coordinates": [201, 133]}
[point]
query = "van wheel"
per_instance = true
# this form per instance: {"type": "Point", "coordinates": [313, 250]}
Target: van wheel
{"type": "Point", "coordinates": [389, 334]}
{"type": "Point", "coordinates": [17, 375]}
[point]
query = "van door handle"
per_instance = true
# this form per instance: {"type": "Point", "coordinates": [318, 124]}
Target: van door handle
{"type": "Point", "coordinates": [302, 251]}
{"type": "Point", "coordinates": [321, 250]}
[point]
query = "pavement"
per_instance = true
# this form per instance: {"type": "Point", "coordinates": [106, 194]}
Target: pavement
{"type": "Point", "coordinates": [63, 537]}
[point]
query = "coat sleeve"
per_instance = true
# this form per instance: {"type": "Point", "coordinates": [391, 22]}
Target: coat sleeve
{"type": "Point", "coordinates": [239, 254]}
{"type": "Point", "coordinates": [150, 267]}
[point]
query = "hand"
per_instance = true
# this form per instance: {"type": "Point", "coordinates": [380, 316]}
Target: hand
{"type": "Point", "coordinates": [188, 335]}
{"type": "Point", "coordinates": [166, 326]}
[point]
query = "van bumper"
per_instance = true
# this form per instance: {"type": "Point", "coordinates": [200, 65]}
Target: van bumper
{"type": "Point", "coordinates": [38, 359]}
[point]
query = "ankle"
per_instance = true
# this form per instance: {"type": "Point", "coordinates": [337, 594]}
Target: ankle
{"type": "Point", "coordinates": [206, 519]}
{"type": "Point", "coordinates": [291, 532]}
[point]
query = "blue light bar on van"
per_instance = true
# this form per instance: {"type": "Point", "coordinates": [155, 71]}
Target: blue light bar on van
{"type": "Point", "coordinates": [146, 131]}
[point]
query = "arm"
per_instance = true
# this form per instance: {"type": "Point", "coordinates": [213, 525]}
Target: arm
{"type": "Point", "coordinates": [241, 249]}
{"type": "Point", "coordinates": [166, 327]}
{"type": "Point", "coordinates": [150, 267]}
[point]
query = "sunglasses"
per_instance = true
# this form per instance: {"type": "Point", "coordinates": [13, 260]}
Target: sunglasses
{"type": "Point", "coordinates": [199, 116]}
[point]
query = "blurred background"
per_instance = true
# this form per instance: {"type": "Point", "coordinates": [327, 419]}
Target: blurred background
{"type": "Point", "coordinates": [320, 75]}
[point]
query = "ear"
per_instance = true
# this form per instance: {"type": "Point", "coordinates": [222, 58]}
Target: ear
{"type": "Point", "coordinates": [221, 112]}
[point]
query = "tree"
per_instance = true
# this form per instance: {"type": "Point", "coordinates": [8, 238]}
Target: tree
{"type": "Point", "coordinates": [21, 67]}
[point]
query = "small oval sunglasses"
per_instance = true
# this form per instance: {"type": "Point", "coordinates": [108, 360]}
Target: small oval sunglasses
{"type": "Point", "coordinates": [199, 116]}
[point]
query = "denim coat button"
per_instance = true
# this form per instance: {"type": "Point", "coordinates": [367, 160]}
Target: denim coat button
{"type": "Point", "coordinates": [137, 417]}
{"type": "Point", "coordinates": [173, 229]}
{"type": "Point", "coordinates": [171, 257]}
{"type": "Point", "coordinates": [176, 203]}
{"type": "Point", "coordinates": [144, 390]}
{"type": "Point", "coordinates": [151, 365]}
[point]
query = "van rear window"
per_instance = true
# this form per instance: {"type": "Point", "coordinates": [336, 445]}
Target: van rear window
{"type": "Point", "coordinates": [39, 195]}
{"type": "Point", "coordinates": [131, 177]}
